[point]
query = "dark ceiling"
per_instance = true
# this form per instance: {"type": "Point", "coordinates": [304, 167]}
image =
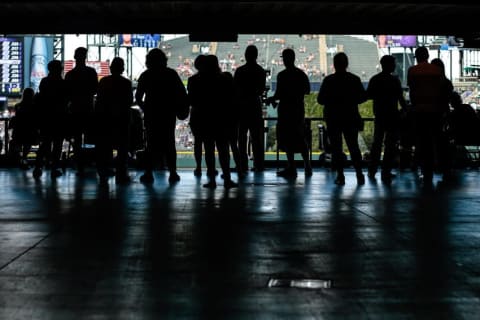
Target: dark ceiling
{"type": "Point", "coordinates": [446, 17]}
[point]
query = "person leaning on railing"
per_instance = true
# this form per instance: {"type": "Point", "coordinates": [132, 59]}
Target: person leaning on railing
{"type": "Point", "coordinates": [340, 94]}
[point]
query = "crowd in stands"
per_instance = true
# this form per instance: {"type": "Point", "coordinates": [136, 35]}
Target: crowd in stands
{"type": "Point", "coordinates": [182, 54]}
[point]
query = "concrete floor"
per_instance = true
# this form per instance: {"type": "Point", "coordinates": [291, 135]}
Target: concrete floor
{"type": "Point", "coordinates": [74, 249]}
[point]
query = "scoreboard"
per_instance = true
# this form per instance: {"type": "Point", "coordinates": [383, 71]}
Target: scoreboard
{"type": "Point", "coordinates": [11, 66]}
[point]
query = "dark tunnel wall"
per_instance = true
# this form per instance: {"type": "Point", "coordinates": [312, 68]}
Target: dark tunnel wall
{"type": "Point", "coordinates": [222, 18]}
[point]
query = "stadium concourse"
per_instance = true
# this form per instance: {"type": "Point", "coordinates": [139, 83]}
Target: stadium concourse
{"type": "Point", "coordinates": [72, 248]}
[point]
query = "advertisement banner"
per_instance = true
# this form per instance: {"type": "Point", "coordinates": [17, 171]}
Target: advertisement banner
{"type": "Point", "coordinates": [38, 52]}
{"type": "Point", "coordinates": [385, 41]}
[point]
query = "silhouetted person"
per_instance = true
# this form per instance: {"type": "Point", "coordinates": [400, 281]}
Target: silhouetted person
{"type": "Point", "coordinates": [292, 86]}
{"type": "Point", "coordinates": [160, 93]}
{"type": "Point", "coordinates": [385, 89]}
{"type": "Point", "coordinates": [464, 123]}
{"type": "Point", "coordinates": [427, 91]}
{"type": "Point", "coordinates": [195, 121]}
{"type": "Point", "coordinates": [231, 116]}
{"type": "Point", "coordinates": [24, 126]}
{"type": "Point", "coordinates": [52, 104]}
{"type": "Point", "coordinates": [82, 83]}
{"type": "Point", "coordinates": [250, 81]}
{"type": "Point", "coordinates": [113, 113]}
{"type": "Point", "coordinates": [443, 154]}
{"type": "Point", "coordinates": [211, 94]}
{"type": "Point", "coordinates": [340, 93]}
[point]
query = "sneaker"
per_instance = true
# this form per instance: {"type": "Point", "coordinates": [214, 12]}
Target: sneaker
{"type": "Point", "coordinates": [427, 184]}
{"type": "Point", "coordinates": [308, 172]}
{"type": "Point", "coordinates": [210, 185]}
{"type": "Point", "coordinates": [387, 177]}
{"type": "Point", "coordinates": [360, 178]}
{"type": "Point", "coordinates": [287, 173]}
{"type": "Point", "coordinates": [123, 179]}
{"type": "Point", "coordinates": [448, 177]}
{"type": "Point", "coordinates": [340, 180]}
{"type": "Point", "coordinates": [110, 172]}
{"type": "Point", "coordinates": [371, 174]}
{"type": "Point", "coordinates": [197, 172]}
{"type": "Point", "coordinates": [103, 180]}
{"type": "Point", "coordinates": [174, 177]}
{"type": "Point", "coordinates": [426, 181]}
{"type": "Point", "coordinates": [241, 175]}
{"type": "Point", "coordinates": [210, 174]}
{"type": "Point", "coordinates": [228, 184]}
{"type": "Point", "coordinates": [37, 173]}
{"type": "Point", "coordinates": [80, 172]}
{"type": "Point", "coordinates": [147, 178]}
{"type": "Point", "coordinates": [55, 173]}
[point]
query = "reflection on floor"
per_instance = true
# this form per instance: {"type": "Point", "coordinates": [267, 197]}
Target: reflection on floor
{"type": "Point", "coordinates": [76, 249]}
